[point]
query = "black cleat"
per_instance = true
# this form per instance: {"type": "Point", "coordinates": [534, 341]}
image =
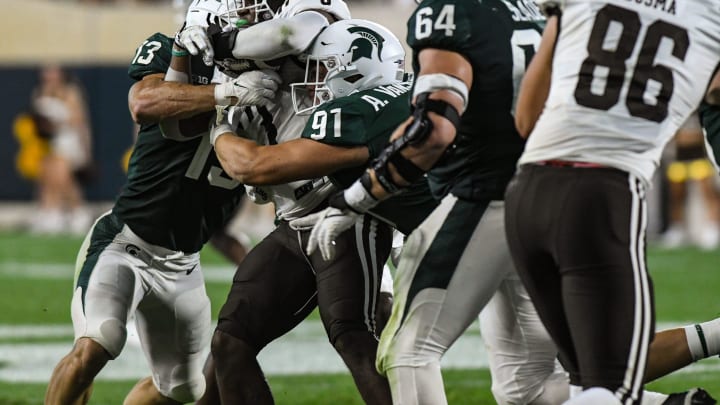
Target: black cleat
{"type": "Point", "coordinates": [695, 396]}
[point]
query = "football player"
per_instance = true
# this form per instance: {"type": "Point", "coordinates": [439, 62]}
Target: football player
{"type": "Point", "coordinates": [141, 258]}
{"type": "Point", "coordinates": [466, 55]}
{"type": "Point", "coordinates": [608, 98]}
{"type": "Point", "coordinates": [338, 138]}
{"type": "Point", "coordinates": [345, 290]}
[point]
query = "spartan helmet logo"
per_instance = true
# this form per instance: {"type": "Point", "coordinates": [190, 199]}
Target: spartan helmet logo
{"type": "Point", "coordinates": [363, 47]}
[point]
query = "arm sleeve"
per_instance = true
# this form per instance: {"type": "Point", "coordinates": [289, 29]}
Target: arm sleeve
{"type": "Point", "coordinates": [279, 37]}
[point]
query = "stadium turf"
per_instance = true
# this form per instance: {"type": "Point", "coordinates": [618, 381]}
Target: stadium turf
{"type": "Point", "coordinates": [35, 290]}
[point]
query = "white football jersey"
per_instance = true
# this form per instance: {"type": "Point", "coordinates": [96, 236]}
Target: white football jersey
{"type": "Point", "coordinates": [338, 8]}
{"type": "Point", "coordinates": [278, 123]}
{"type": "Point", "coordinates": [625, 75]}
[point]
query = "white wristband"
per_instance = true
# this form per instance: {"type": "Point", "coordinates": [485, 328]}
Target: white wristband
{"type": "Point", "coordinates": [173, 75]}
{"type": "Point", "coordinates": [218, 130]}
{"type": "Point", "coordinates": [359, 198]}
{"type": "Point", "coordinates": [221, 98]}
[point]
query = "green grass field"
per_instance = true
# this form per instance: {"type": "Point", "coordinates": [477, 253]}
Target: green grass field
{"type": "Point", "coordinates": [686, 286]}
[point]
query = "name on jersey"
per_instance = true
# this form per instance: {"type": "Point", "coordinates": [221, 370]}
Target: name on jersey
{"type": "Point", "coordinates": [392, 90]}
{"type": "Point", "coordinates": [524, 10]}
{"type": "Point", "coordinates": [667, 6]}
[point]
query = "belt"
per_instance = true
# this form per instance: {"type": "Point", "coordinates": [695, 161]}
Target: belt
{"type": "Point", "coordinates": [566, 163]}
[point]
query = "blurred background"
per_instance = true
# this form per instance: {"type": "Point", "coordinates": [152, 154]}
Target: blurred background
{"type": "Point", "coordinates": [66, 134]}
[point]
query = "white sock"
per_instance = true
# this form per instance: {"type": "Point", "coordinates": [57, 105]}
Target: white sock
{"type": "Point", "coordinates": [703, 339]}
{"type": "Point", "coordinates": [653, 398]}
{"type": "Point", "coordinates": [594, 396]}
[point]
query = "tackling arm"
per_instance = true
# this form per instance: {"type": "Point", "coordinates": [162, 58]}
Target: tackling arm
{"type": "Point", "coordinates": [279, 37]}
{"type": "Point", "coordinates": [535, 85]}
{"type": "Point", "coordinates": [152, 99]}
{"type": "Point", "coordinates": [425, 153]}
{"type": "Point", "coordinates": [253, 164]}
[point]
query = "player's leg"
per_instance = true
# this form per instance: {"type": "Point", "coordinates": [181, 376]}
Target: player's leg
{"type": "Point", "coordinates": [107, 291]}
{"type": "Point", "coordinates": [145, 392]}
{"type": "Point", "coordinates": [607, 291]}
{"type": "Point", "coordinates": [72, 378]}
{"type": "Point", "coordinates": [174, 326]}
{"type": "Point", "coordinates": [450, 268]}
{"type": "Point", "coordinates": [521, 354]}
{"type": "Point", "coordinates": [348, 288]}
{"type": "Point", "coordinates": [530, 216]}
{"type": "Point", "coordinates": [212, 392]}
{"type": "Point", "coordinates": [273, 290]}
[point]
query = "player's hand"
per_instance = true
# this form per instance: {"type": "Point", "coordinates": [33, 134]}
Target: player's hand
{"type": "Point", "coordinates": [330, 223]}
{"type": "Point", "coordinates": [195, 39]}
{"type": "Point", "coordinates": [250, 88]}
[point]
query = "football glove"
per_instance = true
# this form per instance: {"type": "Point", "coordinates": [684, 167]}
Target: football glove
{"type": "Point", "coordinates": [326, 225]}
{"type": "Point", "coordinates": [257, 87]}
{"type": "Point", "coordinates": [195, 39]}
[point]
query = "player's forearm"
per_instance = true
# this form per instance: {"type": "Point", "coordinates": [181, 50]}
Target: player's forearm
{"type": "Point", "coordinates": [279, 37]}
{"type": "Point", "coordinates": [424, 155]}
{"type": "Point", "coordinates": [535, 86]}
{"type": "Point", "coordinates": [259, 165]}
{"type": "Point", "coordinates": [250, 163]}
{"type": "Point", "coordinates": [238, 157]}
{"type": "Point", "coordinates": [156, 100]}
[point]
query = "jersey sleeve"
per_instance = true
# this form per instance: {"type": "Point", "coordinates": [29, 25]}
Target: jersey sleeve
{"type": "Point", "coordinates": [338, 123]}
{"type": "Point", "coordinates": [152, 56]}
{"type": "Point", "coordinates": [710, 118]}
{"type": "Point", "coordinates": [440, 24]}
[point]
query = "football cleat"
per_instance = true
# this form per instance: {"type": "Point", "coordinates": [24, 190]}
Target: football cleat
{"type": "Point", "coordinates": [695, 396]}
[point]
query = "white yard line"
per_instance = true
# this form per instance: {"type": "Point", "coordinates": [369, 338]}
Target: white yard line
{"type": "Point", "coordinates": [305, 350]}
{"type": "Point", "coordinates": [67, 271]}
{"type": "Point", "coordinates": [302, 351]}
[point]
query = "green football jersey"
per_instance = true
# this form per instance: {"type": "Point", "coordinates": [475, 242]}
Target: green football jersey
{"type": "Point", "coordinates": [176, 194]}
{"type": "Point", "coordinates": [498, 38]}
{"type": "Point", "coordinates": [368, 118]}
{"type": "Point", "coordinates": [710, 118]}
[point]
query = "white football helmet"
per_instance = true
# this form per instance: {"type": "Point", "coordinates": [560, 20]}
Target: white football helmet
{"type": "Point", "coordinates": [348, 56]}
{"type": "Point", "coordinates": [238, 9]}
{"type": "Point", "coordinates": [227, 14]}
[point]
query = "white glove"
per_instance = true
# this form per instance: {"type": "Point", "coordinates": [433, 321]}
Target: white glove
{"type": "Point", "coordinates": [258, 195]}
{"type": "Point", "coordinates": [257, 87]}
{"type": "Point", "coordinates": [327, 225]}
{"type": "Point", "coordinates": [194, 39]}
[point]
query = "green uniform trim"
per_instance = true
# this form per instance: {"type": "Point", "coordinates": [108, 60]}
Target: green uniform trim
{"type": "Point", "coordinates": [701, 336]}
{"type": "Point", "coordinates": [103, 233]}
{"type": "Point", "coordinates": [440, 261]}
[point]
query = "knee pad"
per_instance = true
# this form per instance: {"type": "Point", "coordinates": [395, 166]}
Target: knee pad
{"type": "Point", "coordinates": [111, 335]}
{"type": "Point", "coordinates": [187, 392]}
